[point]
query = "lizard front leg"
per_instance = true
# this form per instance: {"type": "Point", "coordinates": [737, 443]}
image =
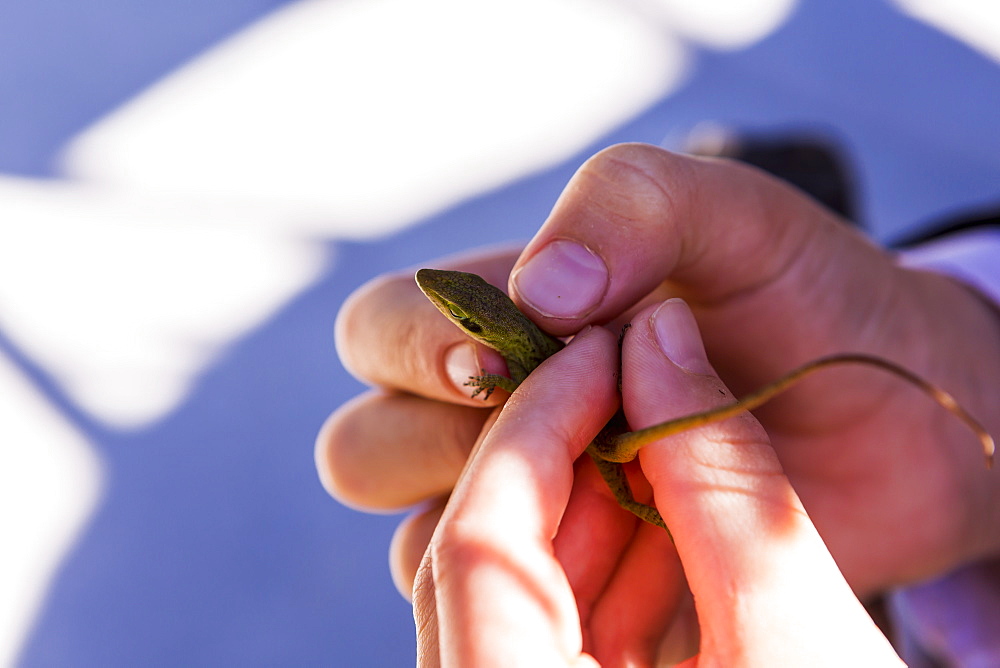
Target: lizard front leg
{"type": "Point", "coordinates": [488, 382]}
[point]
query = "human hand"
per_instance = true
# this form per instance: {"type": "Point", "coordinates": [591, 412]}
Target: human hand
{"type": "Point", "coordinates": [521, 572]}
{"type": "Point", "coordinates": [774, 281]}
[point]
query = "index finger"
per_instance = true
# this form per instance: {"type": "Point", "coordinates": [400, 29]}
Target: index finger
{"type": "Point", "coordinates": [389, 334]}
{"type": "Point", "coordinates": [495, 574]}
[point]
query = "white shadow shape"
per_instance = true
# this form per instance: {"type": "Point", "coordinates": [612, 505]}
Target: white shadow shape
{"type": "Point", "coordinates": [360, 116]}
{"type": "Point", "coordinates": [50, 482]}
{"type": "Point", "coordinates": [974, 22]}
{"type": "Point", "coordinates": [124, 300]}
{"type": "Point", "coordinates": [719, 24]}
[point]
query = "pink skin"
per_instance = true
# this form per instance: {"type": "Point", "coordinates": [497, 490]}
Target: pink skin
{"type": "Point", "coordinates": [773, 280]}
{"type": "Point", "coordinates": [505, 560]}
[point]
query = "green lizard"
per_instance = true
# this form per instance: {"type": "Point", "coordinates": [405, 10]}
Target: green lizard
{"type": "Point", "coordinates": [486, 314]}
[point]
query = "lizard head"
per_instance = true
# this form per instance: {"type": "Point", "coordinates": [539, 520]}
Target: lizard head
{"type": "Point", "coordinates": [482, 310]}
{"type": "Point", "coordinates": [488, 315]}
{"type": "Point", "coordinates": [468, 301]}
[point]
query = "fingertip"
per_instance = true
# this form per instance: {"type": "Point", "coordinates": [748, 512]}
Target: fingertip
{"type": "Point", "coordinates": [677, 334]}
{"type": "Point", "coordinates": [388, 333]}
{"type": "Point", "coordinates": [466, 360]}
{"type": "Point", "coordinates": [409, 544]}
{"type": "Point", "coordinates": [347, 324]}
{"type": "Point", "coordinates": [381, 329]}
{"type": "Point", "coordinates": [335, 474]}
{"type": "Point", "coordinates": [385, 451]}
{"type": "Point", "coordinates": [665, 371]}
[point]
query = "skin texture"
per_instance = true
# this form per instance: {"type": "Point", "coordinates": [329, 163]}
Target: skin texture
{"type": "Point", "coordinates": [774, 280]}
{"type": "Point", "coordinates": [487, 315]}
{"type": "Point", "coordinates": [513, 557]}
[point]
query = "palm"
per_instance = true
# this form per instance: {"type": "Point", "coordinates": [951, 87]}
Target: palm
{"type": "Point", "coordinates": [864, 450]}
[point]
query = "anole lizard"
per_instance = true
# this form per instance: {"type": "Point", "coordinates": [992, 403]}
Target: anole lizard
{"type": "Point", "coordinates": [486, 314]}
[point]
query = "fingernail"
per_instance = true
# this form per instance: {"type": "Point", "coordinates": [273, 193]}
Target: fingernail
{"type": "Point", "coordinates": [460, 363]}
{"type": "Point", "coordinates": [563, 280]}
{"type": "Point", "coordinates": [677, 333]}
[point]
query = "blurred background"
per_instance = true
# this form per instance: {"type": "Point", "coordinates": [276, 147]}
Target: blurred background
{"type": "Point", "coordinates": [188, 191]}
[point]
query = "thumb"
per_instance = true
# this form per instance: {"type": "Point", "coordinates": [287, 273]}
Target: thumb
{"type": "Point", "coordinates": [766, 589]}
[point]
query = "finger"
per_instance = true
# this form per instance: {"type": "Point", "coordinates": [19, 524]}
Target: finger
{"type": "Point", "coordinates": [425, 615]}
{"type": "Point", "coordinates": [409, 544]}
{"type": "Point", "coordinates": [736, 241]}
{"type": "Point", "coordinates": [640, 603]}
{"type": "Point", "coordinates": [495, 575]}
{"type": "Point", "coordinates": [625, 574]}
{"type": "Point", "coordinates": [752, 557]}
{"type": "Point", "coordinates": [389, 334]}
{"type": "Point", "coordinates": [385, 451]}
{"type": "Point", "coordinates": [590, 556]}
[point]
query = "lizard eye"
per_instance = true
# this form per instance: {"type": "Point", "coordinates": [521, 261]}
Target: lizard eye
{"type": "Point", "coordinates": [463, 319]}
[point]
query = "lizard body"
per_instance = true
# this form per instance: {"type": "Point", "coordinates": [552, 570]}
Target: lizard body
{"type": "Point", "coordinates": [486, 314]}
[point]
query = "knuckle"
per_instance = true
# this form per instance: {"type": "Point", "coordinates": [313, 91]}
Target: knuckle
{"type": "Point", "coordinates": [458, 543]}
{"type": "Point", "coordinates": [641, 186]}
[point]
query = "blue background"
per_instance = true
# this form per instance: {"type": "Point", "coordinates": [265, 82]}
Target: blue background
{"type": "Point", "coordinates": [214, 543]}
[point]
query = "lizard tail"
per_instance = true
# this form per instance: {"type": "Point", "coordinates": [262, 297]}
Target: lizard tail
{"type": "Point", "coordinates": [624, 447]}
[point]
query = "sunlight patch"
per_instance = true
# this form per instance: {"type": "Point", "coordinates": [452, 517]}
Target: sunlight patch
{"type": "Point", "coordinates": [49, 484]}
{"type": "Point", "coordinates": [124, 301]}
{"type": "Point", "coordinates": [974, 22]}
{"type": "Point", "coordinates": [358, 117]}
{"type": "Point", "coordinates": [721, 24]}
